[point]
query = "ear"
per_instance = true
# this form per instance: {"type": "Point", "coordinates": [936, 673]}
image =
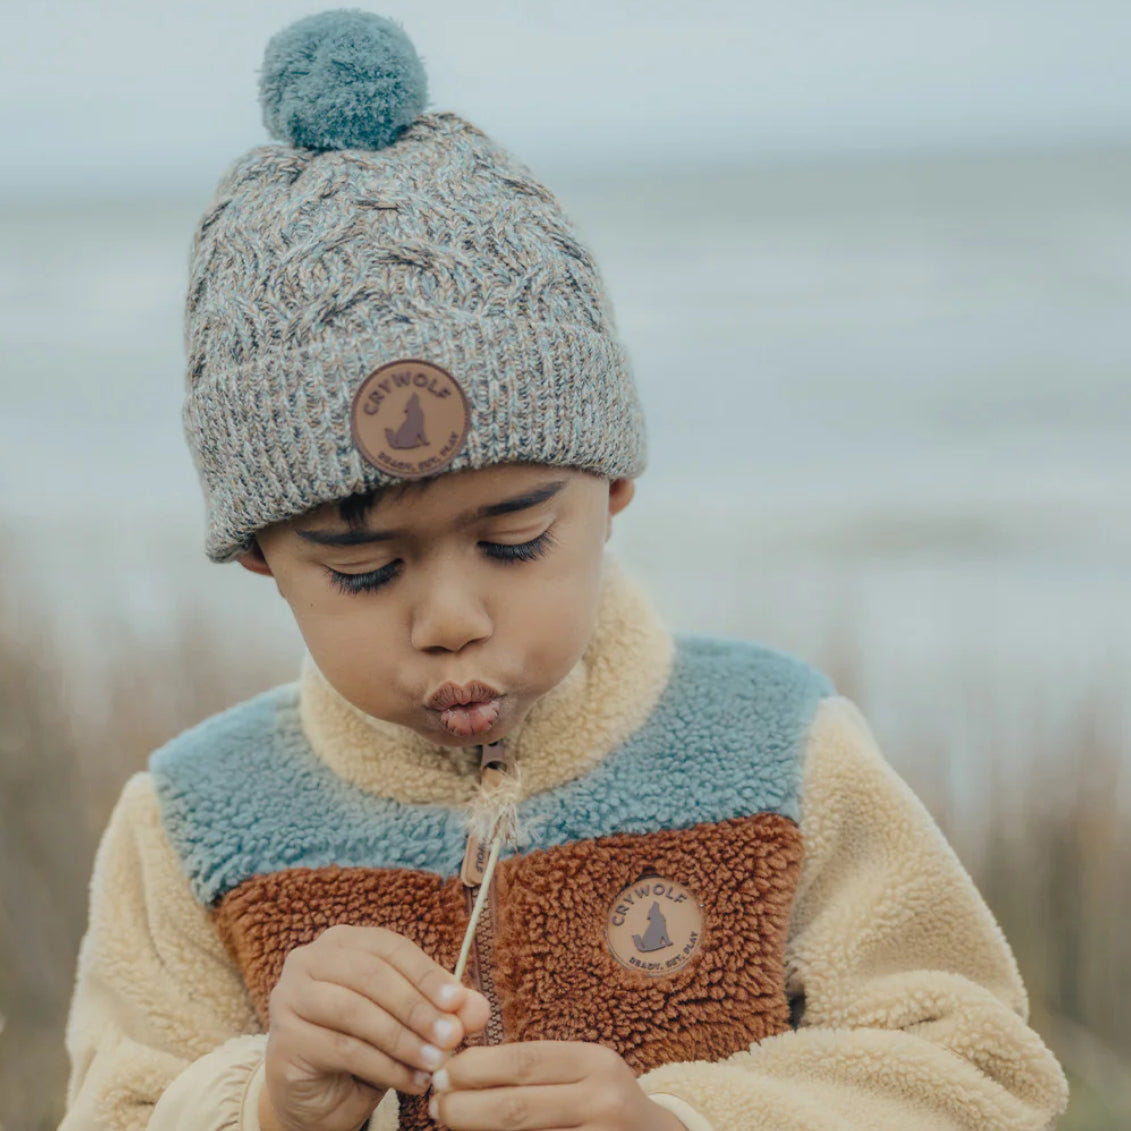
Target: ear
{"type": "Point", "coordinates": [620, 495]}
{"type": "Point", "coordinates": [254, 560]}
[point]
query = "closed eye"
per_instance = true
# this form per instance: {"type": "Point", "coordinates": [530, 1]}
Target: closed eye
{"type": "Point", "coordinates": [501, 551]}
{"type": "Point", "coordinates": [521, 551]}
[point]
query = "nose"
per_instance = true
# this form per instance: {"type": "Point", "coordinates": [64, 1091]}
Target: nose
{"type": "Point", "coordinates": [448, 615]}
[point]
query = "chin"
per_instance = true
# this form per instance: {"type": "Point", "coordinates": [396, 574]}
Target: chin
{"type": "Point", "coordinates": [460, 742]}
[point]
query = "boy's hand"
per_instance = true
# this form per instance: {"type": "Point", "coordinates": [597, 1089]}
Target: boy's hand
{"type": "Point", "coordinates": [356, 1012]}
{"type": "Point", "coordinates": [539, 1085]}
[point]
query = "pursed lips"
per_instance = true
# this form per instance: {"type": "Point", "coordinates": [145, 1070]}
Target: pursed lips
{"type": "Point", "coordinates": [453, 695]}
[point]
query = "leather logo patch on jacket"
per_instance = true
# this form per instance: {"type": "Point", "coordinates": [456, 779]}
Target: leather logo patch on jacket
{"type": "Point", "coordinates": [654, 926]}
{"type": "Point", "coordinates": [409, 418]}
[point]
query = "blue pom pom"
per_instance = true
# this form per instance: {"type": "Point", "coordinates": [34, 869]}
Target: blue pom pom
{"type": "Point", "coordinates": [342, 79]}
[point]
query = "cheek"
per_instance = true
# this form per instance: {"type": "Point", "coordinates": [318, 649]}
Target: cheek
{"type": "Point", "coordinates": [556, 626]}
{"type": "Point", "coordinates": [344, 636]}
{"type": "Point", "coordinates": [358, 669]}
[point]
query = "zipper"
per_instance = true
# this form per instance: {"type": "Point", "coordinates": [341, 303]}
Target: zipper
{"type": "Point", "coordinates": [482, 966]}
{"type": "Point", "coordinates": [493, 763]}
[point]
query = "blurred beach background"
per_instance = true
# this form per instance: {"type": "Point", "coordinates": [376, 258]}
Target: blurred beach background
{"type": "Point", "coordinates": [874, 272]}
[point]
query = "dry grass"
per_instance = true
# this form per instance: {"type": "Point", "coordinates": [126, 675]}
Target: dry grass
{"type": "Point", "coordinates": [1053, 858]}
{"type": "Point", "coordinates": [1055, 866]}
{"type": "Point", "coordinates": [60, 775]}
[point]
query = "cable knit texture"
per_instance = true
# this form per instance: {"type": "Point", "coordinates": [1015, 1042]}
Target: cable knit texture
{"type": "Point", "coordinates": [310, 269]}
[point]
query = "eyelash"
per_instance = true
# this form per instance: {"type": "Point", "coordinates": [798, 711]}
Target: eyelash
{"type": "Point", "coordinates": [500, 551]}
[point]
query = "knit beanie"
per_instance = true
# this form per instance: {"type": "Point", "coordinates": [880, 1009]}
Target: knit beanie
{"type": "Point", "coordinates": [386, 295]}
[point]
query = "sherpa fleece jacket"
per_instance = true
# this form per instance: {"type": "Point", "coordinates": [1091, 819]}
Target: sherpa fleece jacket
{"type": "Point", "coordinates": [727, 884]}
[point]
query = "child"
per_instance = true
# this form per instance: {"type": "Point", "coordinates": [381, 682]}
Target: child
{"type": "Point", "coordinates": [717, 906]}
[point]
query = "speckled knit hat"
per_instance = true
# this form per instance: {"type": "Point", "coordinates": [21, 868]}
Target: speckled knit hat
{"type": "Point", "coordinates": [386, 295]}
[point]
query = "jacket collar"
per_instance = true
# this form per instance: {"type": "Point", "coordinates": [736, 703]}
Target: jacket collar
{"type": "Point", "coordinates": [607, 695]}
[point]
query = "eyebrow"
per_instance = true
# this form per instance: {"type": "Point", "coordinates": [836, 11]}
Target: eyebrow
{"type": "Point", "coordinates": [506, 506]}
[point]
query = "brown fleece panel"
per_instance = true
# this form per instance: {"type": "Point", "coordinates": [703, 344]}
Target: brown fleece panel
{"type": "Point", "coordinates": [558, 980]}
{"type": "Point", "coordinates": [266, 917]}
{"type": "Point", "coordinates": [555, 975]}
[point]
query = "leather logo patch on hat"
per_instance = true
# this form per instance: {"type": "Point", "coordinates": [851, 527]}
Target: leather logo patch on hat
{"type": "Point", "coordinates": [409, 418]}
{"type": "Point", "coordinates": [654, 926]}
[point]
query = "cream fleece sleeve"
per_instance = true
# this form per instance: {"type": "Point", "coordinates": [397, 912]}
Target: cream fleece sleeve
{"type": "Point", "coordinates": [913, 1012]}
{"type": "Point", "coordinates": [155, 993]}
{"type": "Point", "coordinates": [162, 1034]}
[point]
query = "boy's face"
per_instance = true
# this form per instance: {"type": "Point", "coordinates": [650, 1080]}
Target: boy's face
{"type": "Point", "coordinates": [455, 604]}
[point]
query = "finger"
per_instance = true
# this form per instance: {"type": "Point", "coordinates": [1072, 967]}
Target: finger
{"type": "Point", "coordinates": [436, 983]}
{"type": "Point", "coordinates": [331, 1051]}
{"type": "Point", "coordinates": [523, 1062]}
{"type": "Point", "coordinates": [345, 1011]}
{"type": "Point", "coordinates": [474, 1013]}
{"type": "Point", "coordinates": [428, 976]}
{"type": "Point", "coordinates": [373, 977]}
{"type": "Point", "coordinates": [509, 1109]}
{"type": "Point", "coordinates": [431, 979]}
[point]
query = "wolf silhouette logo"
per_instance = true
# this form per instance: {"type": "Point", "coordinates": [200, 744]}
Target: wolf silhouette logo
{"type": "Point", "coordinates": [654, 926]}
{"type": "Point", "coordinates": [656, 936]}
{"type": "Point", "coordinates": [411, 432]}
{"type": "Point", "coordinates": [410, 418]}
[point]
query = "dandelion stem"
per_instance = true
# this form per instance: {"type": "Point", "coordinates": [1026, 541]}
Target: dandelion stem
{"type": "Point", "coordinates": [480, 903]}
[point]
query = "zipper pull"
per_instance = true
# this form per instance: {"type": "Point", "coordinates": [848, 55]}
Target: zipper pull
{"type": "Point", "coordinates": [494, 763]}
{"type": "Point", "coordinates": [495, 757]}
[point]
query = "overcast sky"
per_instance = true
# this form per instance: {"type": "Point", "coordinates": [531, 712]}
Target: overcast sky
{"type": "Point", "coordinates": [155, 91]}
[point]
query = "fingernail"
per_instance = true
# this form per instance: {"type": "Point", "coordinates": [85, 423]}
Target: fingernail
{"type": "Point", "coordinates": [445, 1029]}
{"type": "Point", "coordinates": [420, 1079]}
{"type": "Point", "coordinates": [431, 1056]}
{"type": "Point", "coordinates": [433, 1108]}
{"type": "Point", "coordinates": [448, 993]}
{"type": "Point", "coordinates": [440, 1080]}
